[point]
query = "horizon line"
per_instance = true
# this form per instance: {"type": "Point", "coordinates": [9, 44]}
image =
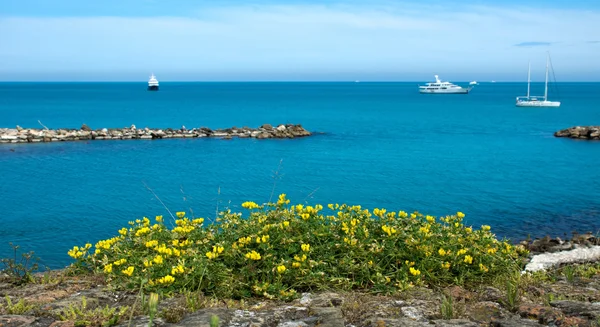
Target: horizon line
{"type": "Point", "coordinates": [281, 81]}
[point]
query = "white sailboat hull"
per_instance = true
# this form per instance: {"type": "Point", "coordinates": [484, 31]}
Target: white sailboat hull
{"type": "Point", "coordinates": [424, 90]}
{"type": "Point", "coordinates": [538, 103]}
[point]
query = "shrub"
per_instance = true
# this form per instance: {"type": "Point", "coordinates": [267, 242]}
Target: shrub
{"type": "Point", "coordinates": [279, 249]}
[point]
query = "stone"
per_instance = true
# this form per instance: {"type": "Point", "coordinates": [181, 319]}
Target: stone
{"type": "Point", "coordinates": [327, 299]}
{"type": "Point", "coordinates": [86, 128]}
{"type": "Point", "coordinates": [486, 312]}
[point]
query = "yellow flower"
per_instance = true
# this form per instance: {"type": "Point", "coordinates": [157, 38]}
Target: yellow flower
{"type": "Point", "coordinates": [388, 230]}
{"type": "Point", "coordinates": [492, 250]}
{"type": "Point", "coordinates": [177, 270]}
{"type": "Point", "coordinates": [305, 247]}
{"type": "Point", "coordinates": [159, 219]}
{"type": "Point", "coordinates": [211, 255]}
{"type": "Point", "coordinates": [461, 252]}
{"type": "Point", "coordinates": [402, 214]}
{"type": "Point", "coordinates": [158, 259]}
{"type": "Point", "coordinates": [296, 264]}
{"type": "Point", "coordinates": [265, 238]}
{"type": "Point", "coordinates": [108, 268]}
{"type": "Point", "coordinates": [142, 231]}
{"type": "Point", "coordinates": [414, 272]}
{"type": "Point", "coordinates": [151, 244]}
{"type": "Point", "coordinates": [469, 230]}
{"type": "Point", "coordinates": [168, 279]}
{"type": "Point", "coordinates": [460, 215]}
{"type": "Point", "coordinates": [286, 223]}
{"type": "Point", "coordinates": [282, 200]}
{"type": "Point", "coordinates": [468, 259]}
{"type": "Point", "coordinates": [198, 221]}
{"type": "Point", "coordinates": [76, 252]}
{"type": "Point", "coordinates": [119, 262]}
{"type": "Point", "coordinates": [485, 228]}
{"type": "Point", "coordinates": [483, 268]}
{"type": "Point", "coordinates": [446, 265]}
{"type": "Point", "coordinates": [250, 205]}
{"type": "Point", "coordinates": [253, 255]}
{"type": "Point", "coordinates": [281, 269]}
{"type": "Point", "coordinates": [442, 252]}
{"type": "Point", "coordinates": [304, 216]}
{"type": "Point", "coordinates": [180, 214]}
{"type": "Point", "coordinates": [430, 219]}
{"type": "Point", "coordinates": [123, 231]}
{"type": "Point", "coordinates": [409, 263]}
{"type": "Point", "coordinates": [128, 271]}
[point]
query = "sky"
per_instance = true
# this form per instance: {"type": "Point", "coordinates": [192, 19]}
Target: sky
{"type": "Point", "coordinates": [298, 40]}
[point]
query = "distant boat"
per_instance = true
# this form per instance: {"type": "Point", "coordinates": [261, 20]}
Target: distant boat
{"type": "Point", "coordinates": [443, 88]}
{"type": "Point", "coordinates": [533, 101]}
{"type": "Point", "coordinates": [152, 83]}
{"type": "Point", "coordinates": [474, 83]}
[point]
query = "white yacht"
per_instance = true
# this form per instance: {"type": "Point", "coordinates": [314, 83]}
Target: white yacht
{"type": "Point", "coordinates": [153, 83]}
{"type": "Point", "coordinates": [443, 87]}
{"type": "Point", "coordinates": [535, 101]}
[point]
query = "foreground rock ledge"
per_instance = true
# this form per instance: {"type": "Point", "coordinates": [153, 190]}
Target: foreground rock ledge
{"type": "Point", "coordinates": [32, 135]}
{"type": "Point", "coordinates": [580, 132]}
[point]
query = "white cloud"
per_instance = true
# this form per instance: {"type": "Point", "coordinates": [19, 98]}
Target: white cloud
{"type": "Point", "coordinates": [288, 39]}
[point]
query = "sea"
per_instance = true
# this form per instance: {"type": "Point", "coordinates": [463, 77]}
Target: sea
{"type": "Point", "coordinates": [379, 145]}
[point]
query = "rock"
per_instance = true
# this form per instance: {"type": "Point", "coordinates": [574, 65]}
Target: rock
{"type": "Point", "coordinates": [458, 293]}
{"type": "Point", "coordinates": [454, 323]}
{"type": "Point", "coordinates": [329, 317]}
{"type": "Point", "coordinates": [86, 128]}
{"type": "Point", "coordinates": [515, 322]}
{"type": "Point", "coordinates": [325, 300]}
{"type": "Point", "coordinates": [580, 132]}
{"type": "Point", "coordinates": [486, 312]}
{"type": "Point", "coordinates": [19, 128]}
{"type": "Point", "coordinates": [491, 294]}
{"type": "Point", "coordinates": [267, 127]}
{"type": "Point", "coordinates": [538, 312]}
{"type": "Point", "coordinates": [582, 309]}
{"type": "Point", "coordinates": [281, 128]}
{"type": "Point", "coordinates": [412, 313]}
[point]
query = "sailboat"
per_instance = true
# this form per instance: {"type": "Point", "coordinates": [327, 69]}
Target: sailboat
{"type": "Point", "coordinates": [533, 101]}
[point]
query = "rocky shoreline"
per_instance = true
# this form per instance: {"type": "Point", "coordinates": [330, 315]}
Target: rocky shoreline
{"type": "Point", "coordinates": [564, 296]}
{"type": "Point", "coordinates": [85, 133]}
{"type": "Point", "coordinates": [580, 132]}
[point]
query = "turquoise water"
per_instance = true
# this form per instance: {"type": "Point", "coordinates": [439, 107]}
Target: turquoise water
{"type": "Point", "coordinates": [384, 145]}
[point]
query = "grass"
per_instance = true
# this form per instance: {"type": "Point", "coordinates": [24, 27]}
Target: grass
{"type": "Point", "coordinates": [81, 315]}
{"type": "Point", "coordinates": [277, 250]}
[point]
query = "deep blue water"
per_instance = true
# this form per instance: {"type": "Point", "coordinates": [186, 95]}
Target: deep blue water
{"type": "Point", "coordinates": [384, 145]}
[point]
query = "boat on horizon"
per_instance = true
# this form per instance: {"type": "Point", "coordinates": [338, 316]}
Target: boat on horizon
{"type": "Point", "coordinates": [440, 87]}
{"type": "Point", "coordinates": [152, 83]}
{"type": "Point", "coordinates": [533, 101]}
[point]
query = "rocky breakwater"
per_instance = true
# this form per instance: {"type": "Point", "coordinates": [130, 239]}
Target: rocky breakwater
{"type": "Point", "coordinates": [580, 132]}
{"type": "Point", "coordinates": [33, 135]}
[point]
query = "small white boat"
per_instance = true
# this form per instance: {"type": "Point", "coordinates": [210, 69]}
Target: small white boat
{"type": "Point", "coordinates": [443, 88]}
{"type": "Point", "coordinates": [474, 83]}
{"type": "Point", "coordinates": [152, 83]}
{"type": "Point", "coordinates": [535, 101]}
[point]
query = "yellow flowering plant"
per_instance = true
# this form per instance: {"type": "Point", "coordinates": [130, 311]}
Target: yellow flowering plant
{"type": "Point", "coordinates": [277, 250]}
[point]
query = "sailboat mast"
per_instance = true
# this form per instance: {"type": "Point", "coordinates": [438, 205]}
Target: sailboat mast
{"type": "Point", "coordinates": [528, 79]}
{"type": "Point", "coordinates": [546, 87]}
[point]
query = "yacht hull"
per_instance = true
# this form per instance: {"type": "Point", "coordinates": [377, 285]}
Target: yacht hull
{"type": "Point", "coordinates": [153, 88]}
{"type": "Point", "coordinates": [459, 91]}
{"type": "Point", "coordinates": [538, 104]}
